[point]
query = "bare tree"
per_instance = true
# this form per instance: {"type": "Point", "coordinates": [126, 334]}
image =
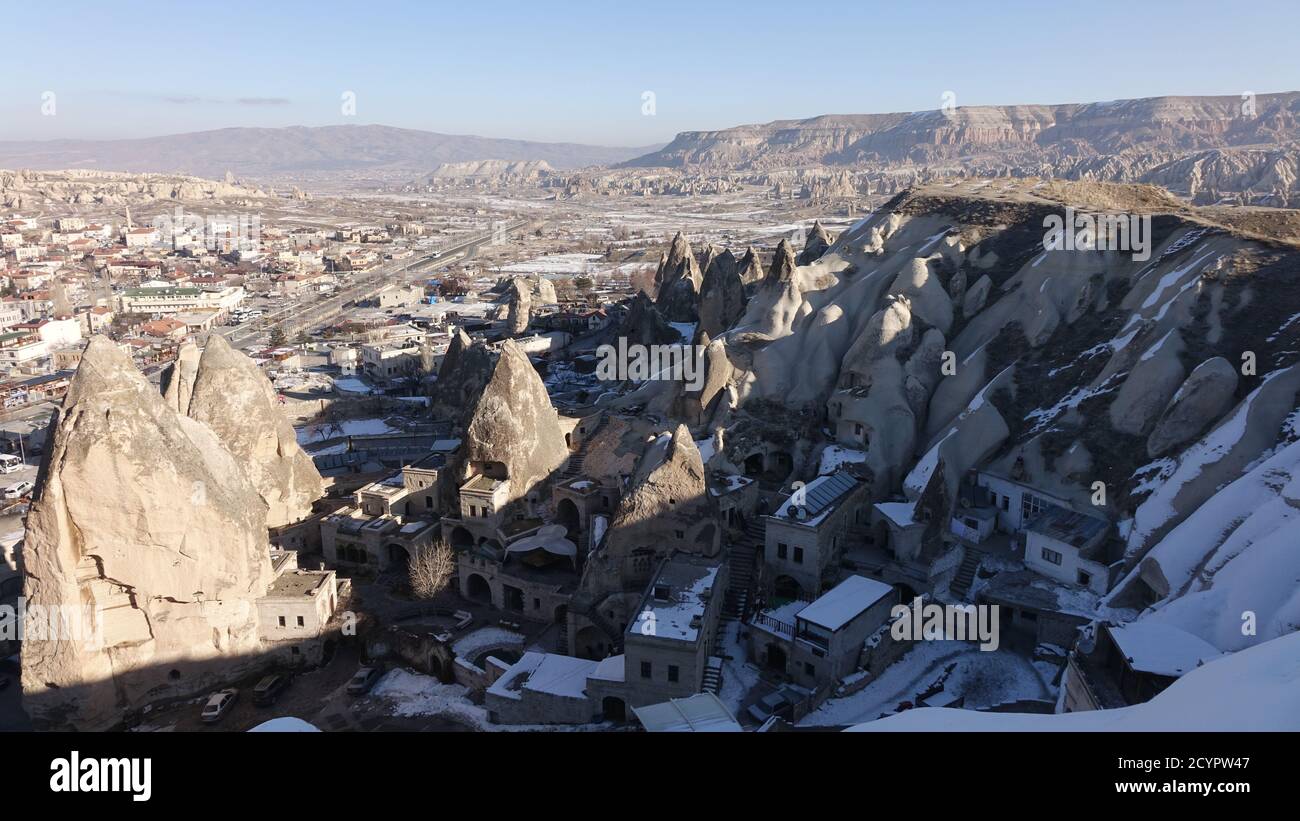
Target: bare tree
{"type": "Point", "coordinates": [431, 569]}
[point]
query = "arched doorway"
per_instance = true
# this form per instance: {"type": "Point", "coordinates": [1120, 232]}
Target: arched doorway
{"type": "Point", "coordinates": [461, 538]}
{"type": "Point", "coordinates": [776, 657]}
{"type": "Point", "coordinates": [785, 587]}
{"type": "Point", "coordinates": [477, 589]}
{"type": "Point", "coordinates": [613, 709]}
{"type": "Point", "coordinates": [566, 513]}
{"type": "Point", "coordinates": [398, 558]}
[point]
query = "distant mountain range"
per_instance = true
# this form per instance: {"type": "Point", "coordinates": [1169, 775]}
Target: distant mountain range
{"type": "Point", "coordinates": [326, 150]}
{"type": "Point", "coordinates": [1242, 149]}
{"type": "Point", "coordinates": [1044, 132]}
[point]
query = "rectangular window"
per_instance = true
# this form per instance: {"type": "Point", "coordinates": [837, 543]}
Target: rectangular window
{"type": "Point", "coordinates": [809, 669]}
{"type": "Point", "coordinates": [1085, 579]}
{"type": "Point", "coordinates": [282, 621]}
{"type": "Point", "coordinates": [798, 555]}
{"type": "Point", "coordinates": [1051, 556]}
{"type": "Point", "coordinates": [672, 673]}
{"type": "Point", "coordinates": [781, 550]}
{"type": "Point", "coordinates": [1030, 507]}
{"type": "Point", "coordinates": [645, 669]}
{"type": "Point", "coordinates": [301, 623]}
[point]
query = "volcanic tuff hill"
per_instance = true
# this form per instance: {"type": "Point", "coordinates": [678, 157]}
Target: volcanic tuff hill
{"type": "Point", "coordinates": [1070, 367]}
{"type": "Point", "coordinates": [1199, 147]}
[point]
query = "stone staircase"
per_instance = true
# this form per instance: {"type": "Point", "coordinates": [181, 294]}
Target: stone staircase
{"type": "Point", "coordinates": [573, 468]}
{"type": "Point", "coordinates": [742, 558]}
{"type": "Point", "coordinates": [562, 639]}
{"type": "Point", "coordinates": [965, 576]}
{"type": "Point", "coordinates": [712, 676]}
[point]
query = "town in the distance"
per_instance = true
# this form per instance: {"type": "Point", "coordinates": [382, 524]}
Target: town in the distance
{"type": "Point", "coordinates": [975, 418]}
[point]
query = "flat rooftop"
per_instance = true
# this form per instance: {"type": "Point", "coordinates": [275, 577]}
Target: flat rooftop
{"type": "Point", "coordinates": [676, 600]}
{"type": "Point", "coordinates": [298, 584]}
{"type": "Point", "coordinates": [821, 495]}
{"type": "Point", "coordinates": [845, 602]}
{"type": "Point", "coordinates": [1077, 529]}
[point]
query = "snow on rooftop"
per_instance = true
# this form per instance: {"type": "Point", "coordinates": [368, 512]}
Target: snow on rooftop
{"type": "Point", "coordinates": [1156, 648]}
{"type": "Point", "coordinates": [902, 514]}
{"type": "Point", "coordinates": [548, 673]}
{"type": "Point", "coordinates": [845, 602]}
{"type": "Point", "coordinates": [610, 668]}
{"type": "Point", "coordinates": [1257, 689]}
{"type": "Point", "coordinates": [686, 584]}
{"type": "Point", "coordinates": [835, 456]}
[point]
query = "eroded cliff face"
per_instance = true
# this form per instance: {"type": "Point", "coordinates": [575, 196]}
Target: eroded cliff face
{"type": "Point", "coordinates": [665, 509]}
{"type": "Point", "coordinates": [142, 516]}
{"type": "Point", "coordinates": [232, 396]}
{"type": "Point", "coordinates": [1063, 367]}
{"type": "Point", "coordinates": [512, 423]}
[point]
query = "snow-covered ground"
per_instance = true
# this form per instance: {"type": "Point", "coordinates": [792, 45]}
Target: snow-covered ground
{"type": "Point", "coordinates": [409, 694]}
{"type": "Point", "coordinates": [984, 678]}
{"type": "Point", "coordinates": [1254, 690]}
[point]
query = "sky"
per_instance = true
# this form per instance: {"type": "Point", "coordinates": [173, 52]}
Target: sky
{"type": "Point", "coordinates": [581, 71]}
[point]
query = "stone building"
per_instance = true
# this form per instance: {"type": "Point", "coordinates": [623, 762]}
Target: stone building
{"type": "Point", "coordinates": [806, 535]}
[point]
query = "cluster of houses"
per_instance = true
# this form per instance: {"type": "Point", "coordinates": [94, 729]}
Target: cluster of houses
{"type": "Point", "coordinates": [803, 584]}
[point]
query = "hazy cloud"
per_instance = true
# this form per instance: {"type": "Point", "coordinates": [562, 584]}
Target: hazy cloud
{"type": "Point", "coordinates": [263, 101]}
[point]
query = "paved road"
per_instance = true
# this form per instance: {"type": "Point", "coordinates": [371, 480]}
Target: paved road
{"type": "Point", "coordinates": [299, 316]}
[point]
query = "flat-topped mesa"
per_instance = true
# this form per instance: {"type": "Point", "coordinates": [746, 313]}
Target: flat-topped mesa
{"type": "Point", "coordinates": [233, 397]}
{"type": "Point", "coordinates": [143, 520]}
{"type": "Point", "coordinates": [512, 431]}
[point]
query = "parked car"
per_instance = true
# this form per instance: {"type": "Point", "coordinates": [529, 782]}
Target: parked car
{"type": "Point", "coordinates": [364, 679]}
{"type": "Point", "coordinates": [269, 689]}
{"type": "Point", "coordinates": [219, 703]}
{"type": "Point", "coordinates": [19, 490]}
{"type": "Point", "coordinates": [773, 704]}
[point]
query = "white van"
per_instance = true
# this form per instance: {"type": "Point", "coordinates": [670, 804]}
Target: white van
{"type": "Point", "coordinates": [9, 463]}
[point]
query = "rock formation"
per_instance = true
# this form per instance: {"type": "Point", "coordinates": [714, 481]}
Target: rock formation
{"type": "Point", "coordinates": [665, 508]}
{"type": "Point", "coordinates": [142, 517]}
{"type": "Point", "coordinates": [511, 430]}
{"type": "Point", "coordinates": [818, 242]}
{"type": "Point", "coordinates": [232, 396]}
{"type": "Point", "coordinates": [722, 295]}
{"type": "Point", "coordinates": [519, 298]}
{"type": "Point", "coordinates": [678, 282]}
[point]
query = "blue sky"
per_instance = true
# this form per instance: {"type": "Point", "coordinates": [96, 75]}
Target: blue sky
{"type": "Point", "coordinates": [577, 71]}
